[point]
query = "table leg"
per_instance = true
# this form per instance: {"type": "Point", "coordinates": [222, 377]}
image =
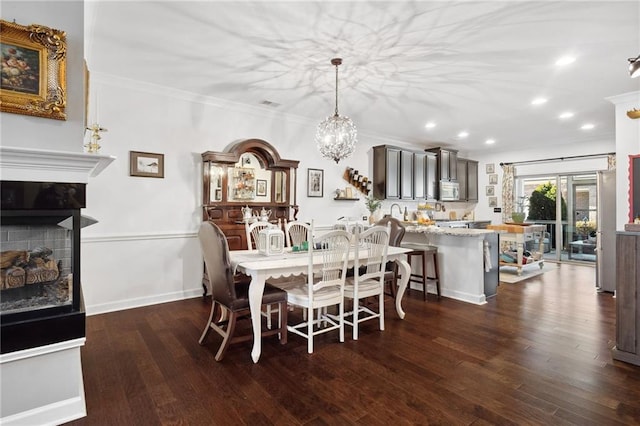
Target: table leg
{"type": "Point", "coordinates": [405, 271]}
{"type": "Point", "coordinates": [520, 255]}
{"type": "Point", "coordinates": [256, 290]}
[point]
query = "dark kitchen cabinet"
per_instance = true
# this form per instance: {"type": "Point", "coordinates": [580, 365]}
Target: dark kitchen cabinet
{"type": "Point", "coordinates": [406, 175]}
{"type": "Point", "coordinates": [431, 175]}
{"type": "Point", "coordinates": [472, 180]}
{"type": "Point", "coordinates": [425, 182]}
{"type": "Point", "coordinates": [400, 174]}
{"type": "Point", "coordinates": [386, 172]}
{"type": "Point", "coordinates": [419, 175]}
{"type": "Point", "coordinates": [447, 163]}
{"type": "Point", "coordinates": [467, 172]}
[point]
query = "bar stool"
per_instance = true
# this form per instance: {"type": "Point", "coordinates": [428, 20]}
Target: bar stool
{"type": "Point", "coordinates": [424, 250]}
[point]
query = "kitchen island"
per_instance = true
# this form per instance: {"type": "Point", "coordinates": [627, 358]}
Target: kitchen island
{"type": "Point", "coordinates": [467, 259]}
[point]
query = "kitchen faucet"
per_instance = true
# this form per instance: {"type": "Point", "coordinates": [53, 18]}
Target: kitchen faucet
{"type": "Point", "coordinates": [391, 209]}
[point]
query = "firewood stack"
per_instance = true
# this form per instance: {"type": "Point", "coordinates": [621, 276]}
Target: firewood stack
{"type": "Point", "coordinates": [22, 267]}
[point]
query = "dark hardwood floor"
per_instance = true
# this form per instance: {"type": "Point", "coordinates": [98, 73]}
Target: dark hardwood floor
{"type": "Point", "coordinates": [537, 353]}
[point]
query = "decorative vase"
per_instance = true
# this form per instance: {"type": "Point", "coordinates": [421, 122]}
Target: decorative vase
{"type": "Point", "coordinates": [517, 217]}
{"type": "Point", "coordinates": [372, 219]}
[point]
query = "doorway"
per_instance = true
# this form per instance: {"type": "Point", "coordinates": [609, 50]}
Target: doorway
{"type": "Point", "coordinates": [567, 205]}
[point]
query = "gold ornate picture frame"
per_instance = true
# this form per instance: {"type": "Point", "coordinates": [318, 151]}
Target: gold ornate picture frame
{"type": "Point", "coordinates": [33, 70]}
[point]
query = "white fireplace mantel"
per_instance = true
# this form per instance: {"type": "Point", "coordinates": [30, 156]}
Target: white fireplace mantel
{"type": "Point", "coordinates": [38, 165]}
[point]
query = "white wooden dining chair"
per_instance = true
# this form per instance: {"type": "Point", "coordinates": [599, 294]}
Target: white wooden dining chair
{"type": "Point", "coordinates": [325, 289]}
{"type": "Point", "coordinates": [253, 230]}
{"type": "Point", "coordinates": [368, 279]}
{"type": "Point", "coordinates": [296, 233]}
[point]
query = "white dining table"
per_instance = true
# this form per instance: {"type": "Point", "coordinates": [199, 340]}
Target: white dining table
{"type": "Point", "coordinates": [261, 267]}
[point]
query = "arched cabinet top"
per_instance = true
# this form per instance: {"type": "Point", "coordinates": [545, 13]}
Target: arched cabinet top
{"type": "Point", "coordinates": [230, 187]}
{"type": "Point", "coordinates": [265, 152]}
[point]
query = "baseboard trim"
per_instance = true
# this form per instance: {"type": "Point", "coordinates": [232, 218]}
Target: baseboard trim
{"type": "Point", "coordinates": [121, 305]}
{"type": "Point", "coordinates": [52, 414]}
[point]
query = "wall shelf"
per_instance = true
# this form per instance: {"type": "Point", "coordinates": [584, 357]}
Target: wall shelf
{"type": "Point", "coordinates": [346, 199]}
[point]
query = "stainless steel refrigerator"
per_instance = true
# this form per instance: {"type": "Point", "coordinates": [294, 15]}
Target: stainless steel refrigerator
{"type": "Point", "coordinates": [606, 231]}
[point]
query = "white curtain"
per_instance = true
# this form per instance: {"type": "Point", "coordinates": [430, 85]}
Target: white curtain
{"type": "Point", "coordinates": [508, 173]}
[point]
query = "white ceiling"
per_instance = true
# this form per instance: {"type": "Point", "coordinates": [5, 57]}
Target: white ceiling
{"type": "Point", "coordinates": [465, 65]}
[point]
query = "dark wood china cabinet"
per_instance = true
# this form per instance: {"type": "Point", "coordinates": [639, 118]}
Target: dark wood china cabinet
{"type": "Point", "coordinates": [248, 174]}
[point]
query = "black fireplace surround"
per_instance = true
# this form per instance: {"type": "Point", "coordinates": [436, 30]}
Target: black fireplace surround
{"type": "Point", "coordinates": [40, 293]}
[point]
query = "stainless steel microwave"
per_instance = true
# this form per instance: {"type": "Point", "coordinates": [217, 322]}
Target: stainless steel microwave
{"type": "Point", "coordinates": [449, 190]}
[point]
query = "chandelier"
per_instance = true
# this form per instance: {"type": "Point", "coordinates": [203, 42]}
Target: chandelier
{"type": "Point", "coordinates": [336, 136]}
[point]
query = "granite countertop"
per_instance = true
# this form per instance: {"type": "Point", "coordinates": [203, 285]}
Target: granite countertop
{"type": "Point", "coordinates": [458, 232]}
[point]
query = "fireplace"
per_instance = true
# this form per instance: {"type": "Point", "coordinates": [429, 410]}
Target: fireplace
{"type": "Point", "coordinates": [42, 316]}
{"type": "Point", "coordinates": [40, 294]}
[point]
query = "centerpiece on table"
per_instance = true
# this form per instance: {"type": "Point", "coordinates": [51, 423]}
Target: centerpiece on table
{"type": "Point", "coordinates": [519, 215]}
{"type": "Point", "coordinates": [373, 204]}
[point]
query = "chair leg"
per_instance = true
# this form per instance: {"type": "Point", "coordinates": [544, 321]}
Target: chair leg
{"type": "Point", "coordinates": [424, 276]}
{"type": "Point", "coordinates": [394, 283]}
{"type": "Point", "coordinates": [282, 318]}
{"type": "Point", "coordinates": [354, 319]}
{"type": "Point", "coordinates": [310, 331]}
{"type": "Point", "coordinates": [381, 310]}
{"type": "Point", "coordinates": [268, 312]}
{"type": "Point", "coordinates": [231, 327]}
{"type": "Point", "coordinates": [209, 321]}
{"type": "Point", "coordinates": [436, 273]}
{"type": "Point", "coordinates": [341, 319]}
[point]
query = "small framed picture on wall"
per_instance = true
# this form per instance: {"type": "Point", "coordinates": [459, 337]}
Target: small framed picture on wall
{"type": "Point", "coordinates": [491, 168]}
{"type": "Point", "coordinates": [493, 201]}
{"type": "Point", "coordinates": [315, 182]}
{"type": "Point", "coordinates": [493, 179]}
{"type": "Point", "coordinates": [491, 190]}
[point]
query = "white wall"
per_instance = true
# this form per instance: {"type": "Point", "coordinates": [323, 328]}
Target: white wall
{"type": "Point", "coordinates": [37, 132]}
{"type": "Point", "coordinates": [627, 143]}
{"type": "Point", "coordinates": [144, 250]}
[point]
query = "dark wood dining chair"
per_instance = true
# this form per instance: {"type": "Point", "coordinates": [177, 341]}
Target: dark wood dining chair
{"type": "Point", "coordinates": [231, 298]}
{"type": "Point", "coordinates": [397, 231]}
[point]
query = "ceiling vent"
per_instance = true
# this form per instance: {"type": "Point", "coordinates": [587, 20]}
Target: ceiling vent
{"type": "Point", "coordinates": [270, 104]}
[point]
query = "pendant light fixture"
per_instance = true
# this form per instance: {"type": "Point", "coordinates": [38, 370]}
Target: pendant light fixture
{"type": "Point", "coordinates": [336, 136]}
{"type": "Point", "coordinates": [634, 67]}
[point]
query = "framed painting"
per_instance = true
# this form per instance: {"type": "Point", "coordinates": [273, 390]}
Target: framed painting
{"type": "Point", "coordinates": [493, 179]}
{"type": "Point", "coordinates": [261, 188]}
{"type": "Point", "coordinates": [490, 190]}
{"type": "Point", "coordinates": [491, 168]}
{"type": "Point", "coordinates": [146, 164]}
{"type": "Point", "coordinates": [33, 70]}
{"type": "Point", "coordinates": [493, 201]}
{"type": "Point", "coordinates": [315, 182]}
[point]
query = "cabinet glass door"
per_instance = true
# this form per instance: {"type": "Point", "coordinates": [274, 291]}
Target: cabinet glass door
{"type": "Point", "coordinates": [216, 173]}
{"type": "Point", "coordinates": [280, 189]}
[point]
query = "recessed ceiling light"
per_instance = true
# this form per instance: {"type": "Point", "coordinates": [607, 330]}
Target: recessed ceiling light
{"type": "Point", "coordinates": [565, 115]}
{"type": "Point", "coordinates": [539, 101]}
{"type": "Point", "coordinates": [463, 134]}
{"type": "Point", "coordinates": [430, 125]}
{"type": "Point", "coordinates": [565, 60]}
{"type": "Point", "coordinates": [587, 126]}
{"type": "Point", "coordinates": [490, 141]}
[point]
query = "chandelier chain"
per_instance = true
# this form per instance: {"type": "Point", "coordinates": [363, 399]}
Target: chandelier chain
{"type": "Point", "coordinates": [337, 89]}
